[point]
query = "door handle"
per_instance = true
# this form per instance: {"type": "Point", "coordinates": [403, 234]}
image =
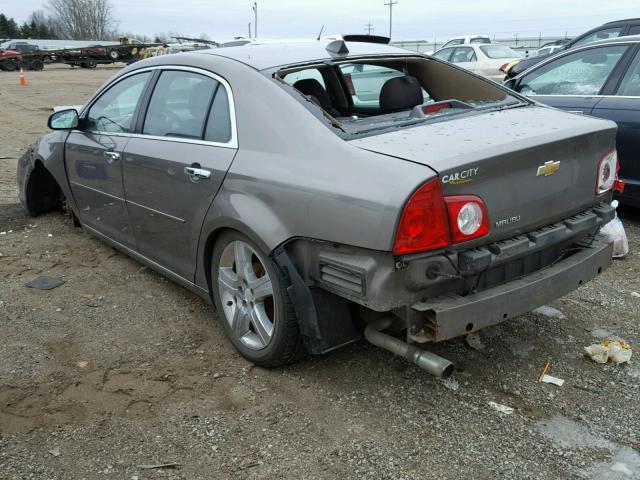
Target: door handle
{"type": "Point", "coordinates": [197, 173]}
{"type": "Point", "coordinates": [111, 156]}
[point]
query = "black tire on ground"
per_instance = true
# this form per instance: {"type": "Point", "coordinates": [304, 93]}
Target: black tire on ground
{"type": "Point", "coordinates": [114, 55]}
{"type": "Point", "coordinates": [285, 345]}
{"type": "Point", "coordinates": [9, 65]}
{"type": "Point", "coordinates": [36, 64]}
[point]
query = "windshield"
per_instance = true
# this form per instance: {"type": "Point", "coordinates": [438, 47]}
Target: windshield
{"type": "Point", "coordinates": [366, 95]}
{"type": "Point", "coordinates": [499, 51]}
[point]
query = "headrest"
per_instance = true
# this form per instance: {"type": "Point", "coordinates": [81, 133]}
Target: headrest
{"type": "Point", "coordinates": [400, 93]}
{"type": "Point", "coordinates": [313, 88]}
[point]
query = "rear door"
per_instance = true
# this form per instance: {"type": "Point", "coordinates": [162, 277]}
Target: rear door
{"type": "Point", "coordinates": [574, 81]}
{"type": "Point", "coordinates": [93, 158]}
{"type": "Point", "coordinates": [623, 107]}
{"type": "Point", "coordinates": [176, 162]}
{"type": "Point", "coordinates": [465, 57]}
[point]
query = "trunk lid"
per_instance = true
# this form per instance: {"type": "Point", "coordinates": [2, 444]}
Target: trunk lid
{"type": "Point", "coordinates": [509, 158]}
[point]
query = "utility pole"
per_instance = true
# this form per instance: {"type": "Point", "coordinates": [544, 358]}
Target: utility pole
{"type": "Point", "coordinates": [391, 4]}
{"type": "Point", "coordinates": [255, 21]}
{"type": "Point", "coordinates": [369, 28]}
{"type": "Point", "coordinates": [249, 30]}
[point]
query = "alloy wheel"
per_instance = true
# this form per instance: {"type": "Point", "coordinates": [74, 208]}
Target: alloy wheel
{"type": "Point", "coordinates": [247, 296]}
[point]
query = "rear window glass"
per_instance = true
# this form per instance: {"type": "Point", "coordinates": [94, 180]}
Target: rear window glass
{"type": "Point", "coordinates": [365, 82]}
{"type": "Point", "coordinates": [480, 40]}
{"type": "Point", "coordinates": [499, 51]}
{"type": "Point", "coordinates": [455, 41]}
{"type": "Point", "coordinates": [362, 97]}
{"type": "Point", "coordinates": [309, 73]}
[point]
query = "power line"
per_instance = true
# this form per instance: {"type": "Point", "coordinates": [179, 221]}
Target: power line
{"type": "Point", "coordinates": [391, 4]}
{"type": "Point", "coordinates": [369, 28]}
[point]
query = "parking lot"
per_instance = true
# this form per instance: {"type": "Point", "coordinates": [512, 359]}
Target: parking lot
{"type": "Point", "coordinates": [119, 370]}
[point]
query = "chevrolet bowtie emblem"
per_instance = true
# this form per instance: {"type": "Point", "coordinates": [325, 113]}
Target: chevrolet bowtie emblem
{"type": "Point", "coordinates": [549, 168]}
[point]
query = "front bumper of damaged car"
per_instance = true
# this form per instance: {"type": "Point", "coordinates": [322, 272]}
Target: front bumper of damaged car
{"type": "Point", "coordinates": [450, 293]}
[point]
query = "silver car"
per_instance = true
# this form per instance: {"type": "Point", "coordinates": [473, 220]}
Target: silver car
{"type": "Point", "coordinates": [257, 177]}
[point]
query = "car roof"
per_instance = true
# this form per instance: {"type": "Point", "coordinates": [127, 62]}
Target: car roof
{"type": "Point", "coordinates": [615, 22]}
{"type": "Point", "coordinates": [273, 54]}
{"type": "Point", "coordinates": [627, 39]}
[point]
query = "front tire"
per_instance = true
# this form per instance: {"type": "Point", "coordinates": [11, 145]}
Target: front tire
{"type": "Point", "coordinates": [252, 302]}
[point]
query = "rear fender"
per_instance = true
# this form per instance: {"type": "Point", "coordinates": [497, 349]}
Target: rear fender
{"type": "Point", "coordinates": [246, 214]}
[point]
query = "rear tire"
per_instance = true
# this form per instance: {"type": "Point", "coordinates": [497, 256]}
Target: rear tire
{"type": "Point", "coordinates": [252, 303]}
{"type": "Point", "coordinates": [36, 64]}
{"type": "Point", "coordinates": [10, 66]}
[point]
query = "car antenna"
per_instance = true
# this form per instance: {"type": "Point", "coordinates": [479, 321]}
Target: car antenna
{"type": "Point", "coordinates": [320, 33]}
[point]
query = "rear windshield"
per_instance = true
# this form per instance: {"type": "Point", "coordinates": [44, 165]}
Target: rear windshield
{"type": "Point", "coordinates": [499, 51]}
{"type": "Point", "coordinates": [480, 40]}
{"type": "Point", "coordinates": [370, 95]}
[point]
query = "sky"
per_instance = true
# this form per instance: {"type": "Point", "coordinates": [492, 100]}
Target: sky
{"type": "Point", "coordinates": [412, 19]}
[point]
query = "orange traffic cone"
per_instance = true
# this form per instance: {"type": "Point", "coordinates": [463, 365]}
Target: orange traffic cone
{"type": "Point", "coordinates": [23, 80]}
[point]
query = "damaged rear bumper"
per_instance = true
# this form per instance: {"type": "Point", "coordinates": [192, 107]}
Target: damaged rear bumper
{"type": "Point", "coordinates": [449, 316]}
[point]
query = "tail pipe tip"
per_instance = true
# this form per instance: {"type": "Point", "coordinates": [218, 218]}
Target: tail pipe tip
{"type": "Point", "coordinates": [432, 363]}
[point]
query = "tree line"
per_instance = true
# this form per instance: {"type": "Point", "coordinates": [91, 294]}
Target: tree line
{"type": "Point", "coordinates": [65, 19]}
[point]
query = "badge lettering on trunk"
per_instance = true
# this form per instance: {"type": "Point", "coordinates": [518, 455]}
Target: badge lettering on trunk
{"type": "Point", "coordinates": [549, 168]}
{"type": "Point", "coordinates": [459, 178]}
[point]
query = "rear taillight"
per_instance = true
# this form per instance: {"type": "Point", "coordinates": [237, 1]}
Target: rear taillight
{"type": "Point", "coordinates": [424, 224]}
{"type": "Point", "coordinates": [467, 217]}
{"type": "Point", "coordinates": [607, 172]}
{"type": "Point", "coordinates": [431, 221]}
{"type": "Point", "coordinates": [503, 67]}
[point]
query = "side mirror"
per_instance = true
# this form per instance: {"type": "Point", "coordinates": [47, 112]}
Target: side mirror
{"type": "Point", "coordinates": [64, 120]}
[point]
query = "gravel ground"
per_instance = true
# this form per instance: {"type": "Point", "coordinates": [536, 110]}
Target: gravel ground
{"type": "Point", "coordinates": [119, 369]}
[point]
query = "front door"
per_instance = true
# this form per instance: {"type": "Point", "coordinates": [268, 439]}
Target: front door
{"type": "Point", "coordinates": [93, 159]}
{"type": "Point", "coordinates": [574, 81]}
{"type": "Point", "coordinates": [174, 168]}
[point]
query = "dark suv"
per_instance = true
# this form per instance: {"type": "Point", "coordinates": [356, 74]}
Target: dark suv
{"type": "Point", "coordinates": [23, 47]}
{"type": "Point", "coordinates": [618, 28]}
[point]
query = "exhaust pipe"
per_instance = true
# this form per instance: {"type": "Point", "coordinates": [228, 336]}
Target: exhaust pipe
{"type": "Point", "coordinates": [432, 363]}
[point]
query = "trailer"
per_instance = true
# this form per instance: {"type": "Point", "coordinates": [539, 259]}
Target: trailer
{"type": "Point", "coordinates": [128, 51]}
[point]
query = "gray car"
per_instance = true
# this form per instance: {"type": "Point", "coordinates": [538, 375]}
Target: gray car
{"type": "Point", "coordinates": [257, 177]}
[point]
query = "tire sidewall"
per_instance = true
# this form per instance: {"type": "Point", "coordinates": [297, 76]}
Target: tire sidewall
{"type": "Point", "coordinates": [275, 346]}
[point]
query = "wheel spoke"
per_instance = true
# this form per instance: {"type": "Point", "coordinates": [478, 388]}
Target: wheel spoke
{"type": "Point", "coordinates": [261, 324]}
{"type": "Point", "coordinates": [243, 259]}
{"type": "Point", "coordinates": [228, 280]}
{"type": "Point", "coordinates": [240, 321]}
{"type": "Point", "coordinates": [262, 288]}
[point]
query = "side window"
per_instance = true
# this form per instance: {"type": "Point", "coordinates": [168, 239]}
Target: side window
{"type": "Point", "coordinates": [179, 105]}
{"type": "Point", "coordinates": [630, 85]}
{"type": "Point", "coordinates": [634, 30]}
{"type": "Point", "coordinates": [579, 73]}
{"type": "Point", "coordinates": [219, 122]}
{"type": "Point", "coordinates": [480, 40]}
{"type": "Point", "coordinates": [443, 54]}
{"type": "Point", "coordinates": [113, 111]}
{"type": "Point", "coordinates": [463, 54]}
{"type": "Point", "coordinates": [304, 75]}
{"type": "Point", "coordinates": [599, 35]}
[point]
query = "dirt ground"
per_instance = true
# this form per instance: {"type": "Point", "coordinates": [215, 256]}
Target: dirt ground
{"type": "Point", "coordinates": [119, 369]}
